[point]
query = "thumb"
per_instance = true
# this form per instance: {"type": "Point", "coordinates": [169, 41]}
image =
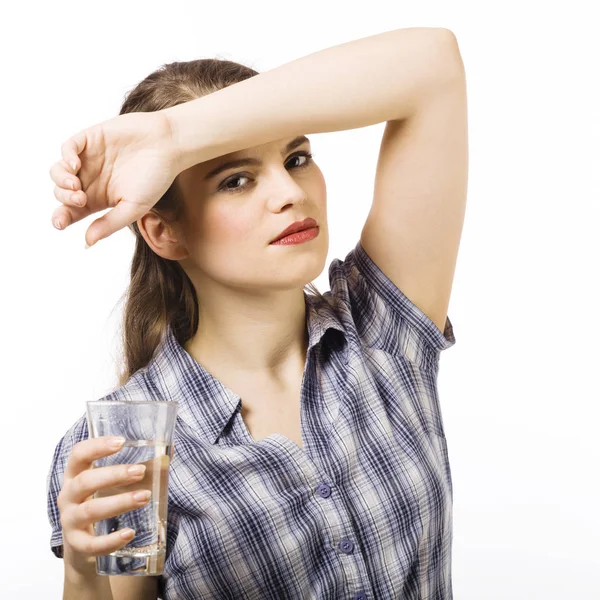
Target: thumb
{"type": "Point", "coordinates": [123, 214]}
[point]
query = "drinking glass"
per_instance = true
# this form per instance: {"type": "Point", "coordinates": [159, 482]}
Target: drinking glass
{"type": "Point", "coordinates": [147, 427]}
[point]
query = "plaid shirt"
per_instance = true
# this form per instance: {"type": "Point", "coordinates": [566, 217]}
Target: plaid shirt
{"type": "Point", "coordinates": [363, 511]}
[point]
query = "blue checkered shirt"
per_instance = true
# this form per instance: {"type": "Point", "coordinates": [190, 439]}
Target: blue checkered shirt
{"type": "Point", "coordinates": [363, 511]}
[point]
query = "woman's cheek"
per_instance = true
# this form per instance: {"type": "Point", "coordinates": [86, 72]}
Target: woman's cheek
{"type": "Point", "coordinates": [232, 225]}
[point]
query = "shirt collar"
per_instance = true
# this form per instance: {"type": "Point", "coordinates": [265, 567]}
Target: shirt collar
{"type": "Point", "coordinates": [205, 404]}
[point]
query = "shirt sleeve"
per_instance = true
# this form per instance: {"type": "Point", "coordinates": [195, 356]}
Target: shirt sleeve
{"type": "Point", "coordinates": [385, 318]}
{"type": "Point", "coordinates": [77, 433]}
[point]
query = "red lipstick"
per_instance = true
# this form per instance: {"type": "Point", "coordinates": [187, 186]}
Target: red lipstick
{"type": "Point", "coordinates": [308, 226]}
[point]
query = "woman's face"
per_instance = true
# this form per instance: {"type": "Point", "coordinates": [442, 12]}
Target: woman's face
{"type": "Point", "coordinates": [230, 218]}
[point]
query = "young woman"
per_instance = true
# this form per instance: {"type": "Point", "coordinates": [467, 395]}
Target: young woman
{"type": "Point", "coordinates": [310, 457]}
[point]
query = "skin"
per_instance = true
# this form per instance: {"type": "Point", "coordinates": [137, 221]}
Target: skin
{"type": "Point", "coordinates": [250, 294]}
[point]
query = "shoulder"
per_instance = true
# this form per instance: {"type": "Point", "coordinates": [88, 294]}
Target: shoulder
{"type": "Point", "coordinates": [382, 315]}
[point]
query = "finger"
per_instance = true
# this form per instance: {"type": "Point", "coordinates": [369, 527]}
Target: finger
{"type": "Point", "coordinates": [84, 453]}
{"type": "Point", "coordinates": [97, 509]}
{"type": "Point", "coordinates": [72, 148]}
{"type": "Point", "coordinates": [64, 215]}
{"type": "Point", "coordinates": [90, 481]}
{"type": "Point", "coordinates": [69, 197]}
{"type": "Point", "coordinates": [62, 176]}
{"type": "Point", "coordinates": [97, 545]}
{"type": "Point", "coordinates": [123, 214]}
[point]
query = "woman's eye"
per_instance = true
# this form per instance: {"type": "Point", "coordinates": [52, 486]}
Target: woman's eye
{"type": "Point", "coordinates": [233, 180]}
{"type": "Point", "coordinates": [226, 184]}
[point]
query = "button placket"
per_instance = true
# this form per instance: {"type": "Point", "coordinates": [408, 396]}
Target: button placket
{"type": "Point", "coordinates": [335, 516]}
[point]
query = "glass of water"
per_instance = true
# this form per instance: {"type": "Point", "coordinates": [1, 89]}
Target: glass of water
{"type": "Point", "coordinates": [147, 427]}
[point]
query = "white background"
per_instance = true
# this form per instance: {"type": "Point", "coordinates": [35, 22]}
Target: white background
{"type": "Point", "coordinates": [519, 390]}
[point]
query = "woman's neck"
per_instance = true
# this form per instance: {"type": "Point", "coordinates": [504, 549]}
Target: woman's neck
{"type": "Point", "coordinates": [258, 339]}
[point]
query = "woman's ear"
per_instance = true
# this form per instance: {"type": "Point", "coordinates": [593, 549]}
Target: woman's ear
{"type": "Point", "coordinates": [162, 237]}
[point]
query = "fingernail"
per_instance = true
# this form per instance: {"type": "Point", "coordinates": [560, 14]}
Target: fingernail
{"type": "Point", "coordinates": [127, 534]}
{"type": "Point", "coordinates": [74, 165]}
{"type": "Point", "coordinates": [116, 443]}
{"type": "Point", "coordinates": [136, 469]}
{"type": "Point", "coordinates": [57, 224]}
{"type": "Point", "coordinates": [142, 495]}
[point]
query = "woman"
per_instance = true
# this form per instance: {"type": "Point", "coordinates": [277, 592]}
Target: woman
{"type": "Point", "coordinates": [310, 454]}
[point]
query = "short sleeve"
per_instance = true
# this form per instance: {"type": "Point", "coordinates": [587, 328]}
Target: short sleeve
{"type": "Point", "coordinates": [77, 433]}
{"type": "Point", "coordinates": [385, 317]}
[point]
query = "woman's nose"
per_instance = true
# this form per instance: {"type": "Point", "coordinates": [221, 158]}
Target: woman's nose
{"type": "Point", "coordinates": [290, 194]}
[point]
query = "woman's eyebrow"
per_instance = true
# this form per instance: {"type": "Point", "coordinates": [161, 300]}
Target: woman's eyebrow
{"type": "Point", "coordinates": [240, 162]}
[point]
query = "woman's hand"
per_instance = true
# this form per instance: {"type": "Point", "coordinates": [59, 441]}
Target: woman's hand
{"type": "Point", "coordinates": [126, 163]}
{"type": "Point", "coordinates": [79, 510]}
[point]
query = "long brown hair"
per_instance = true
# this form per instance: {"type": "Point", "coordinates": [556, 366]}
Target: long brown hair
{"type": "Point", "coordinates": [160, 294]}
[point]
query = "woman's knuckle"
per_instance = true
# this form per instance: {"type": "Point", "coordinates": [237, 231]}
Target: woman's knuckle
{"type": "Point", "coordinates": [60, 505]}
{"type": "Point", "coordinates": [87, 512]}
{"type": "Point", "coordinates": [70, 539]}
{"type": "Point", "coordinates": [88, 546]}
{"type": "Point", "coordinates": [66, 491]}
{"type": "Point", "coordinates": [77, 451]}
{"type": "Point", "coordinates": [90, 481]}
{"type": "Point", "coordinates": [61, 495]}
{"type": "Point", "coordinates": [77, 487]}
{"type": "Point", "coordinates": [64, 521]}
{"type": "Point", "coordinates": [65, 217]}
{"type": "Point", "coordinates": [60, 196]}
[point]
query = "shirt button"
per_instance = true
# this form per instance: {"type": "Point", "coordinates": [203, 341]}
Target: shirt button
{"type": "Point", "coordinates": [324, 490]}
{"type": "Point", "coordinates": [360, 596]}
{"type": "Point", "coordinates": [346, 546]}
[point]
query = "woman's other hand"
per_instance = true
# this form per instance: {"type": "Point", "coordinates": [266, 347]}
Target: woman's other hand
{"type": "Point", "coordinates": [79, 509]}
{"type": "Point", "coordinates": [125, 163]}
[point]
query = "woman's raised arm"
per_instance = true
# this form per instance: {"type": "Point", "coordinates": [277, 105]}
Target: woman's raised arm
{"type": "Point", "coordinates": [359, 83]}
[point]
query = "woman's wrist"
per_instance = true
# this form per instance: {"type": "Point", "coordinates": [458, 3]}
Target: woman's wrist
{"type": "Point", "coordinates": [190, 144]}
{"type": "Point", "coordinates": [78, 565]}
{"type": "Point", "coordinates": [81, 581]}
{"type": "Point", "coordinates": [175, 141]}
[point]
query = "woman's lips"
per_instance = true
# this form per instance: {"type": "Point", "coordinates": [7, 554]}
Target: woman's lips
{"type": "Point", "coordinates": [297, 226]}
{"type": "Point", "coordinates": [297, 238]}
